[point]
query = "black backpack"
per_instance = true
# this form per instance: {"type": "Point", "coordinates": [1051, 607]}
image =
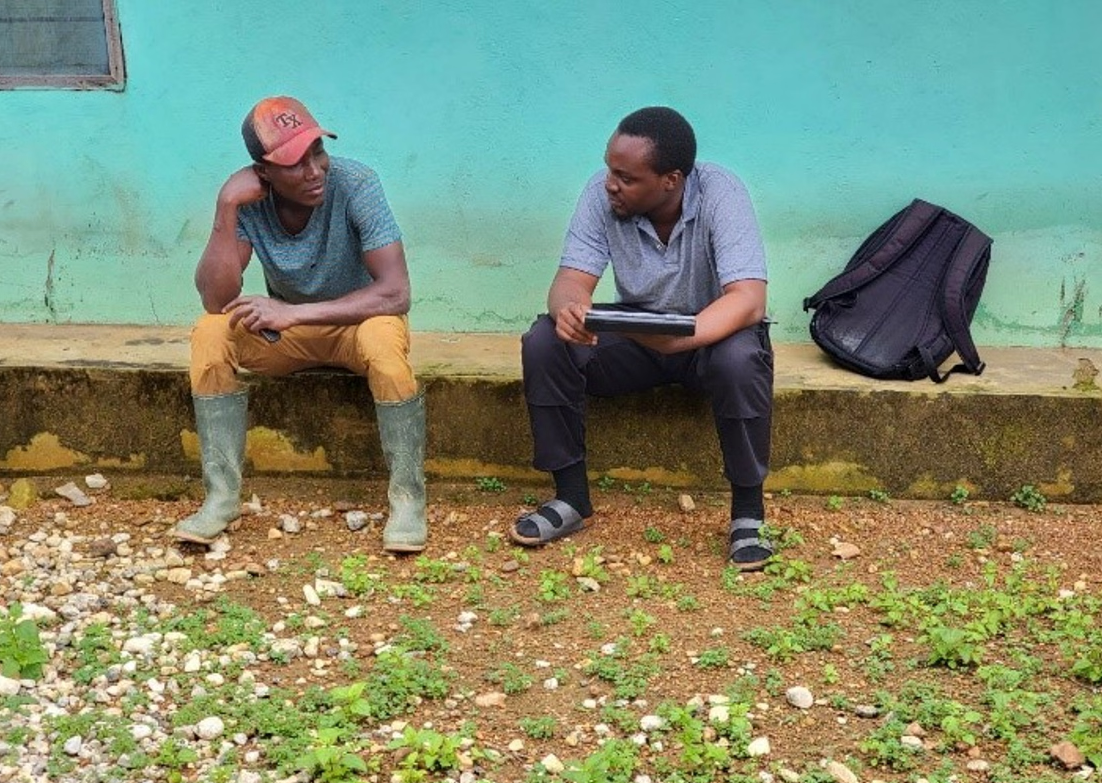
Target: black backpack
{"type": "Point", "coordinates": [906, 299]}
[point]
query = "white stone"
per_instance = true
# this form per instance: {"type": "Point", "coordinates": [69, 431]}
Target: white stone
{"type": "Point", "coordinates": [210, 728]}
{"type": "Point", "coordinates": [73, 745]}
{"type": "Point", "coordinates": [840, 772]}
{"type": "Point", "coordinates": [8, 686]}
{"type": "Point", "coordinates": [552, 764]}
{"type": "Point", "coordinates": [650, 723]}
{"type": "Point", "coordinates": [311, 595]}
{"type": "Point", "coordinates": [800, 697]}
{"type": "Point", "coordinates": [719, 713]}
{"type": "Point", "coordinates": [758, 747]}
{"type": "Point", "coordinates": [95, 481]}
{"type": "Point", "coordinates": [138, 645]}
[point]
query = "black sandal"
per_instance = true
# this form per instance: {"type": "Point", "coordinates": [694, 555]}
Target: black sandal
{"type": "Point", "coordinates": [748, 552]}
{"type": "Point", "coordinates": [563, 520]}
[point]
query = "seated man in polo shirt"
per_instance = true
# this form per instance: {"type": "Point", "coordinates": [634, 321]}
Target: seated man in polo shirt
{"type": "Point", "coordinates": [681, 237]}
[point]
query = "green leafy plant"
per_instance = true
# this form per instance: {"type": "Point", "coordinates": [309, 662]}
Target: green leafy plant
{"type": "Point", "coordinates": [959, 495]}
{"type": "Point", "coordinates": [21, 652]}
{"type": "Point", "coordinates": [543, 727]}
{"type": "Point", "coordinates": [1029, 498]}
{"type": "Point", "coordinates": [511, 677]}
{"type": "Point", "coordinates": [429, 569]}
{"type": "Point", "coordinates": [713, 658]}
{"type": "Point", "coordinates": [879, 496]}
{"type": "Point", "coordinates": [489, 484]}
{"type": "Point", "coordinates": [835, 503]}
{"type": "Point", "coordinates": [592, 565]}
{"type": "Point", "coordinates": [331, 760]}
{"type": "Point", "coordinates": [358, 578]}
{"type": "Point", "coordinates": [553, 586]}
{"type": "Point", "coordinates": [952, 647]}
{"type": "Point", "coordinates": [427, 754]}
{"type": "Point", "coordinates": [653, 535]}
{"type": "Point", "coordinates": [640, 621]}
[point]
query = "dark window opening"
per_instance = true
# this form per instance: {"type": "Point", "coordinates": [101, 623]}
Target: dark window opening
{"type": "Point", "coordinates": [64, 44]}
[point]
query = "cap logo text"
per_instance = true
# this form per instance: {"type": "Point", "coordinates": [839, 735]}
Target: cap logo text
{"type": "Point", "coordinates": [287, 120]}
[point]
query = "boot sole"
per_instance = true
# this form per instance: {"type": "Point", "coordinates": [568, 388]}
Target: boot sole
{"type": "Point", "coordinates": [403, 548]}
{"type": "Point", "coordinates": [194, 538]}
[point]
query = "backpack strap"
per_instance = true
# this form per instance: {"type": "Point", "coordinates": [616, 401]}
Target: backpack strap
{"type": "Point", "coordinates": [912, 224]}
{"type": "Point", "coordinates": [970, 258]}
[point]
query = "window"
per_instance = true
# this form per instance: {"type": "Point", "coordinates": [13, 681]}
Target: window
{"type": "Point", "coordinates": [65, 44]}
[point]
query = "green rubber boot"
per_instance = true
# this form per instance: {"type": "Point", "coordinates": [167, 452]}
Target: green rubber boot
{"type": "Point", "coordinates": [402, 432]}
{"type": "Point", "coordinates": [220, 420]}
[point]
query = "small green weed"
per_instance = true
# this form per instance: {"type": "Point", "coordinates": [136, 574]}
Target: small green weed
{"type": "Point", "coordinates": [511, 678]}
{"type": "Point", "coordinates": [879, 496]}
{"type": "Point", "coordinates": [543, 727]}
{"type": "Point", "coordinates": [489, 484]}
{"type": "Point", "coordinates": [959, 495]}
{"type": "Point", "coordinates": [1029, 498]}
{"type": "Point", "coordinates": [331, 760]}
{"type": "Point", "coordinates": [835, 503]}
{"type": "Point", "coordinates": [553, 586]}
{"type": "Point", "coordinates": [653, 535]}
{"type": "Point", "coordinates": [713, 658]}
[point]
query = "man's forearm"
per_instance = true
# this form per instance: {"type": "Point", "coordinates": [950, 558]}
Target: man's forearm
{"type": "Point", "coordinates": [218, 275]}
{"type": "Point", "coordinates": [355, 307]}
{"type": "Point", "coordinates": [564, 293]}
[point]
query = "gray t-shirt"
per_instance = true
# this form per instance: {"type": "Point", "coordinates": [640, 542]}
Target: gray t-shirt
{"type": "Point", "coordinates": [324, 261]}
{"type": "Point", "coordinates": [715, 242]}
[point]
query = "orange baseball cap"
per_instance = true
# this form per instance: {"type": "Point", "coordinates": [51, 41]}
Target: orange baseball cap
{"type": "Point", "coordinates": [280, 130]}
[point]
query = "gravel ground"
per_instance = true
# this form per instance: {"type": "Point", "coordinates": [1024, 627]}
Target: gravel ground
{"type": "Point", "coordinates": [128, 692]}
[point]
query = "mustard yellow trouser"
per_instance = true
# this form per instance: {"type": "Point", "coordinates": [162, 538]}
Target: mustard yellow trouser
{"type": "Point", "coordinates": [377, 349]}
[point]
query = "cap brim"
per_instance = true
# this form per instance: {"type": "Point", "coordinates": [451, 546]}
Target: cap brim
{"type": "Point", "coordinates": [291, 152]}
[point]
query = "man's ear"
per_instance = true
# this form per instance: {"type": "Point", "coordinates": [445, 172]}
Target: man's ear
{"type": "Point", "coordinates": [672, 179]}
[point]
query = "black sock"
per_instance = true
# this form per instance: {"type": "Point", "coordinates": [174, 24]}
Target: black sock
{"type": "Point", "coordinates": [572, 486]}
{"type": "Point", "coordinates": [748, 503]}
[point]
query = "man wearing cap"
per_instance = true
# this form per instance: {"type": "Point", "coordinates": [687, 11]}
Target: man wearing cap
{"type": "Point", "coordinates": [338, 294]}
{"type": "Point", "coordinates": [681, 237]}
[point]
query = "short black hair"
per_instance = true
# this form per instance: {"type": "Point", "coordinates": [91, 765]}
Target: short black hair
{"type": "Point", "coordinates": [670, 133]}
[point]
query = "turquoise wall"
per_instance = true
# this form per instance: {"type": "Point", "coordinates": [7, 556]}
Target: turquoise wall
{"type": "Point", "coordinates": [485, 118]}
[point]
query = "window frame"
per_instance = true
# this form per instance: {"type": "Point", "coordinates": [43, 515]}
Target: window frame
{"type": "Point", "coordinates": [115, 79]}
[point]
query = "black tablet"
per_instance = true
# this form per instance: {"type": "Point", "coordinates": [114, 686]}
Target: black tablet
{"type": "Point", "coordinates": [640, 322]}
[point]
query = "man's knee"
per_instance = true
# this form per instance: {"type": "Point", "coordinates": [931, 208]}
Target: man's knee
{"type": "Point", "coordinates": [383, 345]}
{"type": "Point", "coordinates": [382, 339]}
{"type": "Point", "coordinates": [212, 368]}
{"type": "Point", "coordinates": [739, 373]}
{"type": "Point", "coordinates": [539, 341]}
{"type": "Point", "coordinates": [212, 329]}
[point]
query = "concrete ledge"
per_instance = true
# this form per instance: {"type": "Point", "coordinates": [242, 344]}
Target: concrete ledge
{"type": "Point", "coordinates": [78, 398]}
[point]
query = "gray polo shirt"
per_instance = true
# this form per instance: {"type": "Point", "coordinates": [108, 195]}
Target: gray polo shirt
{"type": "Point", "coordinates": [715, 242]}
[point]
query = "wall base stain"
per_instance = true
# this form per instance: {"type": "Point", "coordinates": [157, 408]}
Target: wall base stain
{"type": "Point", "coordinates": [837, 478]}
{"type": "Point", "coordinates": [43, 452]}
{"type": "Point", "coordinates": [926, 487]}
{"type": "Point", "coordinates": [267, 450]}
{"type": "Point", "coordinates": [656, 476]}
{"type": "Point", "coordinates": [466, 468]}
{"type": "Point", "coordinates": [1062, 486]}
